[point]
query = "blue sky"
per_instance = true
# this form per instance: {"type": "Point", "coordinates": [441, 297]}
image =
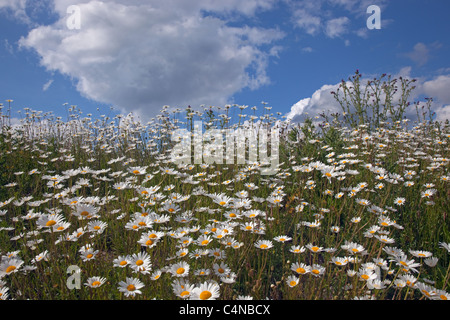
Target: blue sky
{"type": "Point", "coordinates": [140, 55]}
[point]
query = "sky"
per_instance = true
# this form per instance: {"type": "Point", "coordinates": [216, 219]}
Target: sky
{"type": "Point", "coordinates": [122, 56]}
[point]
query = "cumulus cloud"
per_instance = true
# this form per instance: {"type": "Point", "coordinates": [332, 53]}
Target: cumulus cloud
{"type": "Point", "coordinates": [141, 55]}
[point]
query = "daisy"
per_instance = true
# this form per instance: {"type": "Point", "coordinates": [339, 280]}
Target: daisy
{"type": "Point", "coordinates": [49, 220]}
{"type": "Point", "coordinates": [140, 261]}
{"type": "Point", "coordinates": [297, 249]}
{"type": "Point", "coordinates": [153, 235]}
{"type": "Point", "coordinates": [95, 282]}
{"type": "Point", "coordinates": [182, 289]}
{"type": "Point", "coordinates": [263, 244]}
{"type": "Point", "coordinates": [300, 268]}
{"type": "Point", "coordinates": [156, 275]}
{"type": "Point", "coordinates": [282, 238]}
{"type": "Point", "coordinates": [9, 266]}
{"type": "Point", "coordinates": [353, 247]}
{"type": "Point", "coordinates": [445, 246]}
{"type": "Point", "coordinates": [180, 269]}
{"type": "Point", "coordinates": [314, 248]}
{"type": "Point", "coordinates": [399, 201]}
{"type": "Point", "coordinates": [428, 193]}
{"type": "Point", "coordinates": [229, 278]}
{"type": "Point", "coordinates": [203, 240]}
{"type": "Point", "coordinates": [202, 272]}
{"type": "Point", "coordinates": [85, 211]}
{"type": "Point", "coordinates": [339, 261]}
{"type": "Point", "coordinates": [221, 269]}
{"type": "Point", "coordinates": [384, 239]}
{"type": "Point", "coordinates": [292, 281]}
{"type": "Point", "coordinates": [441, 295]}
{"type": "Point", "coordinates": [130, 287]}
{"type": "Point", "coordinates": [206, 291]}
{"type": "Point", "coordinates": [122, 261]}
{"type": "Point", "coordinates": [420, 253]}
{"type": "Point", "coordinates": [137, 170]}
{"type": "Point", "coordinates": [431, 261]}
{"type": "Point", "coordinates": [317, 270]}
{"type": "Point", "coordinates": [89, 254]}
{"type": "Point", "coordinates": [403, 262]}
{"type": "Point", "coordinates": [426, 290]}
{"type": "Point", "coordinates": [4, 294]}
{"type": "Point", "coordinates": [145, 241]}
{"type": "Point", "coordinates": [41, 257]}
{"type": "Point", "coordinates": [96, 226]}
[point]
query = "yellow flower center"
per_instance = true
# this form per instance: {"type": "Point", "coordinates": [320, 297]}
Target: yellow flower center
{"type": "Point", "coordinates": [315, 249]}
{"type": "Point", "coordinates": [139, 262]}
{"type": "Point", "coordinates": [315, 271]}
{"type": "Point", "coordinates": [50, 223]}
{"type": "Point", "coordinates": [10, 269]}
{"type": "Point", "coordinates": [96, 283]}
{"type": "Point", "coordinates": [149, 242]}
{"type": "Point", "coordinates": [184, 293]}
{"type": "Point", "coordinates": [205, 295]}
{"type": "Point", "coordinates": [222, 203]}
{"type": "Point", "coordinates": [180, 270]}
{"type": "Point", "coordinates": [90, 255]}
{"type": "Point", "coordinates": [131, 287]}
{"type": "Point", "coordinates": [365, 276]}
{"type": "Point", "coordinates": [300, 270]}
{"type": "Point", "coordinates": [293, 283]}
{"type": "Point", "coordinates": [220, 270]}
{"type": "Point", "coordinates": [263, 246]}
{"type": "Point", "coordinates": [136, 171]}
{"type": "Point", "coordinates": [123, 263]}
{"type": "Point", "coordinates": [84, 213]}
{"type": "Point", "coordinates": [97, 228]}
{"type": "Point", "coordinates": [205, 242]}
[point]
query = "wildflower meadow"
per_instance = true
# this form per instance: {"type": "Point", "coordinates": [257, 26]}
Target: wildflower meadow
{"type": "Point", "coordinates": [100, 207]}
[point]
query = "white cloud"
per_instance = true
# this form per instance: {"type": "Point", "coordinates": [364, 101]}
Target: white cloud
{"type": "Point", "coordinates": [421, 52]}
{"type": "Point", "coordinates": [16, 8]}
{"type": "Point", "coordinates": [309, 23]}
{"type": "Point", "coordinates": [47, 85]}
{"type": "Point", "coordinates": [337, 27]}
{"type": "Point", "coordinates": [141, 55]}
{"type": "Point", "coordinates": [321, 100]}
